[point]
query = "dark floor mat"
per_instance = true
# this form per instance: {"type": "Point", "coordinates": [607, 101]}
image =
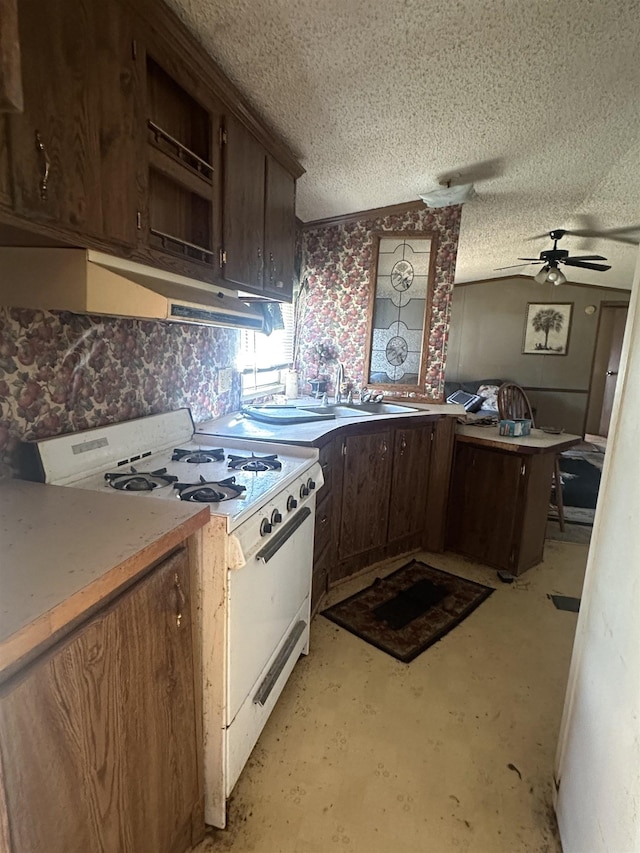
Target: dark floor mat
{"type": "Point", "coordinates": [409, 610]}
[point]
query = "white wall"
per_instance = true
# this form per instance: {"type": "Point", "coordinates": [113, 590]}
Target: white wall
{"type": "Point", "coordinates": [598, 762]}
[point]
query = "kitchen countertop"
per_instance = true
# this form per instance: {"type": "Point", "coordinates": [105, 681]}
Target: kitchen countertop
{"type": "Point", "coordinates": [536, 442]}
{"type": "Point", "coordinates": [311, 434]}
{"type": "Point", "coordinates": [66, 550]}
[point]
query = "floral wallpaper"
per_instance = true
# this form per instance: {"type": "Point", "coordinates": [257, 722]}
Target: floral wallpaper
{"type": "Point", "coordinates": [61, 372]}
{"type": "Point", "coordinates": [336, 262]}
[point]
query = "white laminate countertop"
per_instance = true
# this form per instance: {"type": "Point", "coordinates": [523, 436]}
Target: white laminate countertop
{"type": "Point", "coordinates": [536, 442]}
{"type": "Point", "coordinates": [64, 550]}
{"type": "Point", "coordinates": [238, 425]}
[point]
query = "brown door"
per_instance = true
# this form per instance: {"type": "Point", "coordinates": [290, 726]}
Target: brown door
{"type": "Point", "coordinates": [606, 364]}
{"type": "Point", "coordinates": [98, 738]}
{"type": "Point", "coordinates": [365, 493]}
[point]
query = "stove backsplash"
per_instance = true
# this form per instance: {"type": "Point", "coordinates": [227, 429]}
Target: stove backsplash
{"type": "Point", "coordinates": [61, 372]}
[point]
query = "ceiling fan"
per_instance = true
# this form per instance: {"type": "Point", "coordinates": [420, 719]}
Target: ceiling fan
{"type": "Point", "coordinates": [552, 258]}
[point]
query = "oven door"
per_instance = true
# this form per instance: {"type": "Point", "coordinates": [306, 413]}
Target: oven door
{"type": "Point", "coordinates": [265, 599]}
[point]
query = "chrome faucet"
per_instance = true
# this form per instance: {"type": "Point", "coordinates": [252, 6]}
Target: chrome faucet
{"type": "Point", "coordinates": [339, 381]}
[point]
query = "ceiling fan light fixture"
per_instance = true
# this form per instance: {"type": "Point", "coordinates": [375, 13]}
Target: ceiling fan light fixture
{"type": "Point", "coordinates": [550, 275]}
{"type": "Point", "coordinates": [555, 276]}
{"type": "Point", "coordinates": [447, 196]}
{"type": "Point", "coordinates": [541, 276]}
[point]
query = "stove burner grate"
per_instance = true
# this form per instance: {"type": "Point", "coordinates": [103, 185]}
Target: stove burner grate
{"type": "Point", "coordinates": [139, 481]}
{"type": "Point", "coordinates": [209, 492]}
{"type": "Point", "coordinates": [254, 463]}
{"type": "Point", "coordinates": [203, 454]}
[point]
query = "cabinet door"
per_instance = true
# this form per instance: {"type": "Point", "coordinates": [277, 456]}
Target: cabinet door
{"type": "Point", "coordinates": [243, 207]}
{"type": "Point", "coordinates": [409, 481]}
{"type": "Point", "coordinates": [280, 231]}
{"type": "Point", "coordinates": [484, 504]}
{"type": "Point", "coordinates": [98, 738]}
{"type": "Point", "coordinates": [54, 142]}
{"type": "Point", "coordinates": [365, 493]}
{"type": "Point", "coordinates": [116, 83]}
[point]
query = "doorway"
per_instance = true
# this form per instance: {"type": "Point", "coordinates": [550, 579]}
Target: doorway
{"type": "Point", "coordinates": [605, 366]}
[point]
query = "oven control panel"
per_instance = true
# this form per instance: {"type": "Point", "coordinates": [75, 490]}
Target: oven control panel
{"type": "Point", "coordinates": [256, 531]}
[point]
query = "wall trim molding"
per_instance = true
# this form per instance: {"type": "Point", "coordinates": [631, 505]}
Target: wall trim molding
{"type": "Point", "coordinates": [521, 277]}
{"type": "Point", "coordinates": [556, 390]}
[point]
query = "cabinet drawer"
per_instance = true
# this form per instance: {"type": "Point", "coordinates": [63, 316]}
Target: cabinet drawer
{"type": "Point", "coordinates": [324, 525]}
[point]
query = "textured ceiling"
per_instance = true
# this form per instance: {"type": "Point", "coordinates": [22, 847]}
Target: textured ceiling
{"type": "Point", "coordinates": [536, 101]}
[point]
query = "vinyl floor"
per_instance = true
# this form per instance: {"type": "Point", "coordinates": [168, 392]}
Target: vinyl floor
{"type": "Point", "coordinates": [452, 753]}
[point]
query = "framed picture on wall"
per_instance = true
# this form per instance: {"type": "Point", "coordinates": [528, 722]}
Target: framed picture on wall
{"type": "Point", "coordinates": [546, 328]}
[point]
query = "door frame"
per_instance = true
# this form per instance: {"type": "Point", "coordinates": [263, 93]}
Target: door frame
{"type": "Point", "coordinates": [604, 304]}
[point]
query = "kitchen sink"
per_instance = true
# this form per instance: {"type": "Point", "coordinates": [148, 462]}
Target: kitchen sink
{"type": "Point", "coordinates": [381, 408]}
{"type": "Point", "coordinates": [305, 414]}
{"type": "Point", "coordinates": [337, 410]}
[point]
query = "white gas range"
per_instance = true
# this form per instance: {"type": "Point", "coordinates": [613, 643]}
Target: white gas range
{"type": "Point", "coordinates": [254, 578]}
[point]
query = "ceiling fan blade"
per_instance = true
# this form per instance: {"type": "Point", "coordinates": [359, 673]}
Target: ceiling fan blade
{"type": "Point", "coordinates": [513, 266]}
{"type": "Point", "coordinates": [587, 258]}
{"type": "Point", "coordinates": [532, 260]}
{"type": "Point", "coordinates": [616, 235]}
{"type": "Point", "coordinates": [572, 262]}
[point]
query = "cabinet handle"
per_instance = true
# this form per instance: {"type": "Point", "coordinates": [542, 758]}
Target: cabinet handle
{"type": "Point", "coordinates": [403, 445]}
{"type": "Point", "coordinates": [384, 450]}
{"type": "Point", "coordinates": [180, 599]}
{"type": "Point", "coordinates": [45, 166]}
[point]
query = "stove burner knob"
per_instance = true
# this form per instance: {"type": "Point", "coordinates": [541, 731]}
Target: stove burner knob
{"type": "Point", "coordinates": [276, 517]}
{"type": "Point", "coordinates": [304, 492]}
{"type": "Point", "coordinates": [292, 503]}
{"type": "Point", "coordinates": [265, 527]}
{"type": "Point", "coordinates": [311, 484]}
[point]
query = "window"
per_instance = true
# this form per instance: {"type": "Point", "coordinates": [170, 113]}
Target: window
{"type": "Point", "coordinates": [262, 357]}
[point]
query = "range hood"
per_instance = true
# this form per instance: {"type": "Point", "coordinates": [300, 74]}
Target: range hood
{"type": "Point", "coordinates": [86, 282]}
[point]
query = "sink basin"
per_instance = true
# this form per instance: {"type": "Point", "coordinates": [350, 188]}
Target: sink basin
{"type": "Point", "coordinates": [283, 415]}
{"type": "Point", "coordinates": [382, 408]}
{"type": "Point", "coordinates": [337, 410]}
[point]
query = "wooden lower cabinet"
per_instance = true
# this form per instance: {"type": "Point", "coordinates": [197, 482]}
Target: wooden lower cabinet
{"type": "Point", "coordinates": [99, 738]}
{"type": "Point", "coordinates": [364, 512]}
{"type": "Point", "coordinates": [409, 481]}
{"type": "Point", "coordinates": [498, 505]}
{"type": "Point", "coordinates": [386, 488]}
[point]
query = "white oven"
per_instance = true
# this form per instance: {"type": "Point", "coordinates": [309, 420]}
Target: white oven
{"type": "Point", "coordinates": [254, 573]}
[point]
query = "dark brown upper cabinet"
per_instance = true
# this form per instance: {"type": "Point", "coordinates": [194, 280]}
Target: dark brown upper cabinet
{"type": "Point", "coordinates": [279, 231]}
{"type": "Point", "coordinates": [72, 154]}
{"type": "Point", "coordinates": [120, 148]}
{"type": "Point", "coordinates": [180, 215]}
{"type": "Point", "coordinates": [244, 160]}
{"type": "Point", "coordinates": [399, 316]}
{"type": "Point", "coordinates": [258, 216]}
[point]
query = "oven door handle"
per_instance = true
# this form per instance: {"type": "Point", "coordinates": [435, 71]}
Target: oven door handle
{"type": "Point", "coordinates": [285, 533]}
